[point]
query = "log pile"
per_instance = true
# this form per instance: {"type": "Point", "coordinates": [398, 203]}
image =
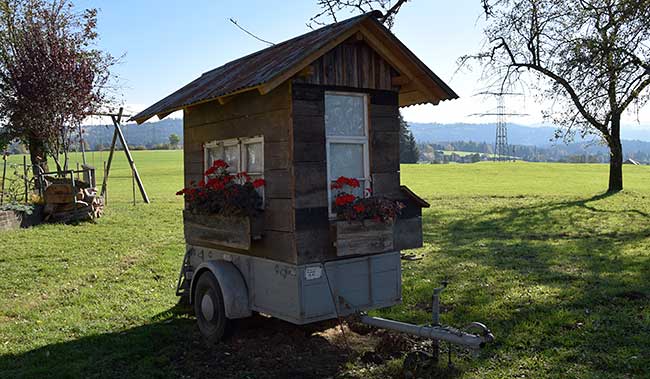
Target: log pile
{"type": "Point", "coordinates": [71, 201]}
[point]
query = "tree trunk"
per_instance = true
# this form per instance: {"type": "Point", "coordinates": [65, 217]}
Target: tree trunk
{"type": "Point", "coordinates": [615, 157]}
{"type": "Point", "coordinates": [38, 156]}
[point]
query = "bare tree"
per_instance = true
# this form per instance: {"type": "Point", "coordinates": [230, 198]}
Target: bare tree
{"type": "Point", "coordinates": [51, 77]}
{"type": "Point", "coordinates": [330, 8]}
{"type": "Point", "coordinates": [589, 59]}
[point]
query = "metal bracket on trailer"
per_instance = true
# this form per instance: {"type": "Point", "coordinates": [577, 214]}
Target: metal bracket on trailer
{"type": "Point", "coordinates": [185, 277]}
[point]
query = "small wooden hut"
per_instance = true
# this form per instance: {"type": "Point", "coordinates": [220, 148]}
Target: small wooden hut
{"type": "Point", "coordinates": [300, 114]}
{"type": "Point", "coordinates": [276, 102]}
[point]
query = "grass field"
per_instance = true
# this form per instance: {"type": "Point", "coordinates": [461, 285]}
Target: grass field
{"type": "Point", "coordinates": [560, 273]}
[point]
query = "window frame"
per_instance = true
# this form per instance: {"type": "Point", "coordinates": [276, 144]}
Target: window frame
{"type": "Point", "coordinates": [216, 143]}
{"type": "Point", "coordinates": [353, 140]}
{"type": "Point", "coordinates": [243, 158]}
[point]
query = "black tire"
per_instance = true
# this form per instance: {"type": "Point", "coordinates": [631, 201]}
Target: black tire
{"type": "Point", "coordinates": [209, 308]}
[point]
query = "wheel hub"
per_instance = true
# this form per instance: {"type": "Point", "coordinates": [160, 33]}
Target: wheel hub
{"type": "Point", "coordinates": [207, 307]}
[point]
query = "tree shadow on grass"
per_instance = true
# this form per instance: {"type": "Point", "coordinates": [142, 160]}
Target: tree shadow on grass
{"type": "Point", "coordinates": [173, 347]}
{"type": "Point", "coordinates": [577, 294]}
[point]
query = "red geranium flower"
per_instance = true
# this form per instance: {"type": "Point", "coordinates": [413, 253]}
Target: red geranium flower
{"type": "Point", "coordinates": [343, 181]}
{"type": "Point", "coordinates": [257, 183]}
{"type": "Point", "coordinates": [220, 163]}
{"type": "Point", "coordinates": [359, 208]}
{"type": "Point", "coordinates": [354, 183]}
{"type": "Point", "coordinates": [344, 199]}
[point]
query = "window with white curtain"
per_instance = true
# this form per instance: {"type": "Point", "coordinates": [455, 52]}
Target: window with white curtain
{"type": "Point", "coordinates": [241, 154]}
{"type": "Point", "coordinates": [346, 129]}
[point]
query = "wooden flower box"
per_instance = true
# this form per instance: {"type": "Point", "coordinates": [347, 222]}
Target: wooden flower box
{"type": "Point", "coordinates": [214, 230]}
{"type": "Point", "coordinates": [356, 238]}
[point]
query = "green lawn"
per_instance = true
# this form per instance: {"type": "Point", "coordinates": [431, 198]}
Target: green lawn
{"type": "Point", "coordinates": [559, 272]}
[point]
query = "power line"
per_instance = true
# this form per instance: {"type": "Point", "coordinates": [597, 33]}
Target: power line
{"type": "Point", "coordinates": [250, 34]}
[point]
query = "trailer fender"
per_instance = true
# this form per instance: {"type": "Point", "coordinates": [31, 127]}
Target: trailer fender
{"type": "Point", "coordinates": [233, 286]}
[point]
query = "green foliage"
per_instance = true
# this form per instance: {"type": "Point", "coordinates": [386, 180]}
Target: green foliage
{"type": "Point", "coordinates": [408, 149]}
{"type": "Point", "coordinates": [174, 140]}
{"type": "Point", "coordinates": [556, 270]}
{"type": "Point", "coordinates": [5, 140]}
{"type": "Point", "coordinates": [51, 76]}
{"type": "Point", "coordinates": [17, 207]}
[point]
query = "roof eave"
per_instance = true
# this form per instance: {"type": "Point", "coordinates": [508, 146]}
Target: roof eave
{"type": "Point", "coordinates": [438, 90]}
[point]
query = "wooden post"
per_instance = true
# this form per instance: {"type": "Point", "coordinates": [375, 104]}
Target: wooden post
{"type": "Point", "coordinates": [117, 119]}
{"type": "Point", "coordinates": [116, 122]}
{"type": "Point", "coordinates": [4, 174]}
{"type": "Point", "coordinates": [83, 147]}
{"type": "Point", "coordinates": [107, 166]}
{"type": "Point", "coordinates": [104, 191]}
{"type": "Point", "coordinates": [25, 178]}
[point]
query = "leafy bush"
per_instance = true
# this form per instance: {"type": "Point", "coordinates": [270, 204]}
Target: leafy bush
{"type": "Point", "coordinates": [17, 207]}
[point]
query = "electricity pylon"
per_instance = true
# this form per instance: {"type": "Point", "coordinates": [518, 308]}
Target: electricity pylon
{"type": "Point", "coordinates": [501, 149]}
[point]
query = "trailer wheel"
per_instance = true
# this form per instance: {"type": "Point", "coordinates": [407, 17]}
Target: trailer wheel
{"type": "Point", "coordinates": [209, 308]}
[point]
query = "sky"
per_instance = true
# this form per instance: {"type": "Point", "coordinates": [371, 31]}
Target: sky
{"type": "Point", "coordinates": [165, 44]}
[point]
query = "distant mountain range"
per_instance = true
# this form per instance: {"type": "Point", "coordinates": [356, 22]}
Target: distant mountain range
{"type": "Point", "coordinates": [517, 134]}
{"type": "Point", "coordinates": [99, 137]}
{"type": "Point", "coordinates": [636, 138]}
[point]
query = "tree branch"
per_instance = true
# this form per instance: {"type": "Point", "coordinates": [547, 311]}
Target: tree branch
{"type": "Point", "coordinates": [393, 10]}
{"type": "Point", "coordinates": [634, 94]}
{"type": "Point", "coordinates": [558, 79]}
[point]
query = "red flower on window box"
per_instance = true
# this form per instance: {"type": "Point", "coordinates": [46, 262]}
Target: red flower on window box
{"type": "Point", "coordinates": [223, 193]}
{"type": "Point", "coordinates": [342, 181]}
{"type": "Point", "coordinates": [352, 207]}
{"type": "Point", "coordinates": [344, 199]}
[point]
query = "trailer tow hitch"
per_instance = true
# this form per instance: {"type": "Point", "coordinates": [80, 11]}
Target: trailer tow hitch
{"type": "Point", "coordinates": [474, 336]}
{"type": "Point", "coordinates": [436, 332]}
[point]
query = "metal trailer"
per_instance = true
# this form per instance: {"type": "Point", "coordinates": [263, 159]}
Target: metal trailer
{"type": "Point", "coordinates": [222, 286]}
{"type": "Point", "coordinates": [303, 109]}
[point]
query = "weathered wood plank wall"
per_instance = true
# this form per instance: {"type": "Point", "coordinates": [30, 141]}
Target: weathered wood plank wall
{"type": "Point", "coordinates": [247, 115]}
{"type": "Point", "coordinates": [291, 119]}
{"type": "Point", "coordinates": [351, 64]}
{"type": "Point", "coordinates": [354, 67]}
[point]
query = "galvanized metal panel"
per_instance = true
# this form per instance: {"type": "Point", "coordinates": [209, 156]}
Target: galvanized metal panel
{"type": "Point", "coordinates": [301, 294]}
{"type": "Point", "coordinates": [275, 289]}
